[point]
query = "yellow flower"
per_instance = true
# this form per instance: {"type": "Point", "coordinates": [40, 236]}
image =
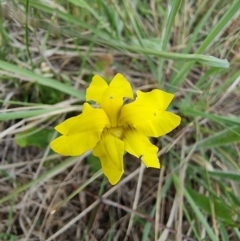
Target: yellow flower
{"type": "Point", "coordinates": [116, 127]}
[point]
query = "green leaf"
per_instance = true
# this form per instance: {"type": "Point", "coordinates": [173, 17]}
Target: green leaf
{"type": "Point", "coordinates": [151, 43]}
{"type": "Point", "coordinates": [8, 236]}
{"type": "Point", "coordinates": [195, 209]}
{"type": "Point", "coordinates": [224, 233]}
{"type": "Point", "coordinates": [189, 111]}
{"type": "Point", "coordinates": [34, 137]}
{"type": "Point", "coordinates": [170, 21]}
{"type": "Point", "coordinates": [226, 175]}
{"type": "Point", "coordinates": [179, 76]}
{"type": "Point", "coordinates": [200, 58]}
{"type": "Point", "coordinates": [25, 114]}
{"type": "Point", "coordinates": [94, 163]}
{"type": "Point", "coordinates": [224, 137]}
{"type": "Point", "coordinates": [222, 211]}
{"type": "Point", "coordinates": [42, 80]}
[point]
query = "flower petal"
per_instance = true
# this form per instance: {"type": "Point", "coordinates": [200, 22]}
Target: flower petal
{"type": "Point", "coordinates": [121, 87]}
{"type": "Point", "coordinates": [112, 100]}
{"type": "Point", "coordinates": [110, 151]}
{"type": "Point", "coordinates": [90, 119]}
{"type": "Point", "coordinates": [80, 133]}
{"type": "Point", "coordinates": [147, 113]}
{"type": "Point", "coordinates": [96, 89]}
{"type": "Point", "coordinates": [110, 97]}
{"type": "Point", "coordinates": [74, 145]}
{"type": "Point", "coordinates": [139, 146]}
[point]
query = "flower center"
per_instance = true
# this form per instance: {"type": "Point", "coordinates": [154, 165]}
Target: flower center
{"type": "Point", "coordinates": [116, 131]}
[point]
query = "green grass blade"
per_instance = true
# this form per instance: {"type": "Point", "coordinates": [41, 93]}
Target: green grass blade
{"type": "Point", "coordinates": [103, 38]}
{"type": "Point", "coordinates": [170, 21]}
{"type": "Point", "coordinates": [222, 211]}
{"type": "Point", "coordinates": [232, 10]}
{"type": "Point", "coordinates": [224, 137]}
{"type": "Point", "coordinates": [85, 5]}
{"type": "Point", "coordinates": [42, 80]}
{"type": "Point", "coordinates": [27, 31]}
{"type": "Point", "coordinates": [237, 232]}
{"type": "Point", "coordinates": [196, 210]}
{"type": "Point", "coordinates": [5, 116]}
{"type": "Point", "coordinates": [200, 25]}
{"type": "Point", "coordinates": [139, 32]}
{"type": "Point", "coordinates": [200, 58]}
{"type": "Point", "coordinates": [224, 233]}
{"type": "Point", "coordinates": [188, 111]}
{"type": "Point", "coordinates": [192, 224]}
{"type": "Point", "coordinates": [68, 18]}
{"type": "Point", "coordinates": [226, 175]}
{"type": "Point", "coordinates": [178, 78]}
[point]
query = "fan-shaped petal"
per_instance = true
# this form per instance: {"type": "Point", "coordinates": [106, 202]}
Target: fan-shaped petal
{"type": "Point", "coordinates": [112, 100]}
{"type": "Point", "coordinates": [96, 89]}
{"type": "Point", "coordinates": [80, 133]}
{"type": "Point", "coordinates": [110, 151]}
{"type": "Point", "coordinates": [110, 97]}
{"type": "Point", "coordinates": [147, 113]}
{"type": "Point", "coordinates": [139, 146]}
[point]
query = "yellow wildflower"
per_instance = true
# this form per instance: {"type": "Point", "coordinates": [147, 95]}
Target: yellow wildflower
{"type": "Point", "coordinates": [116, 127]}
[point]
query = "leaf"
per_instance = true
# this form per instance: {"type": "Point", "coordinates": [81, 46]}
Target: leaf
{"type": "Point", "coordinates": [151, 43]}
{"type": "Point", "coordinates": [31, 76]}
{"type": "Point", "coordinates": [200, 58]}
{"type": "Point", "coordinates": [189, 111]}
{"type": "Point", "coordinates": [222, 211]}
{"type": "Point", "coordinates": [34, 137]}
{"type": "Point", "coordinates": [226, 175]}
{"type": "Point", "coordinates": [195, 209]}
{"type": "Point", "coordinates": [8, 236]}
{"type": "Point", "coordinates": [94, 163]}
{"type": "Point", "coordinates": [26, 113]}
{"type": "Point", "coordinates": [224, 137]}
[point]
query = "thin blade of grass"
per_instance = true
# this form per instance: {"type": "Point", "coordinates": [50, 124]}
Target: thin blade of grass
{"type": "Point", "coordinates": [200, 58]}
{"type": "Point", "coordinates": [24, 114]}
{"type": "Point", "coordinates": [196, 210]}
{"type": "Point", "coordinates": [139, 33]}
{"type": "Point", "coordinates": [104, 39]}
{"type": "Point", "coordinates": [188, 111]}
{"type": "Point", "coordinates": [170, 21]}
{"type": "Point", "coordinates": [178, 78]}
{"type": "Point", "coordinates": [64, 88]}
{"type": "Point", "coordinates": [200, 25]}
{"type": "Point", "coordinates": [224, 137]}
{"type": "Point", "coordinates": [222, 211]}
{"type": "Point", "coordinates": [226, 175]}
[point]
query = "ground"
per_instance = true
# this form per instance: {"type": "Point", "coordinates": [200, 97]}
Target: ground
{"type": "Point", "coordinates": [49, 51]}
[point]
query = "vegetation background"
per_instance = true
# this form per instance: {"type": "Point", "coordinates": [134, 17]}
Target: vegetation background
{"type": "Point", "coordinates": [49, 51]}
